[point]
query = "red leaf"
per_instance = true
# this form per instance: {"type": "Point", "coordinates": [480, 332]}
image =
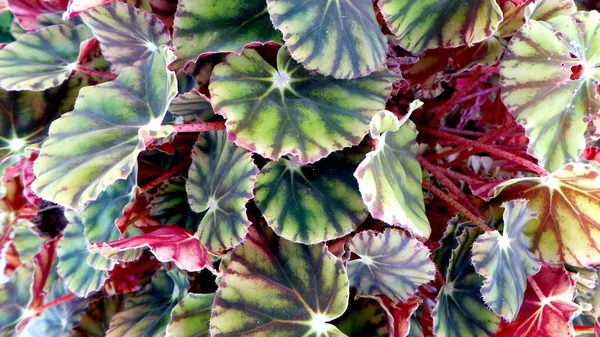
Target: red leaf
{"type": "Point", "coordinates": [168, 244]}
{"type": "Point", "coordinates": [42, 263]}
{"type": "Point", "coordinates": [27, 11]}
{"type": "Point", "coordinates": [548, 306]}
{"type": "Point", "coordinates": [398, 314]}
{"type": "Point", "coordinates": [591, 153]}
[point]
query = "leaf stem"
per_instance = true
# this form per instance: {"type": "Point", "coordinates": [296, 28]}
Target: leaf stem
{"type": "Point", "coordinates": [163, 177]}
{"type": "Point", "coordinates": [199, 127]}
{"type": "Point", "coordinates": [54, 303]}
{"type": "Point", "coordinates": [94, 72]}
{"type": "Point", "coordinates": [456, 205]}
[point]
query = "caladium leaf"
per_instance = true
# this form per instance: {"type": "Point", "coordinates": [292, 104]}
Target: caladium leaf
{"type": "Point", "coordinates": [323, 35]}
{"type": "Point", "coordinates": [43, 59]}
{"type": "Point", "coordinates": [96, 320]}
{"type": "Point", "coordinates": [148, 313]}
{"type": "Point", "coordinates": [311, 203]}
{"type": "Point", "coordinates": [504, 260]}
{"type": "Point", "coordinates": [190, 317]}
{"type": "Point", "coordinates": [26, 12]}
{"type": "Point", "coordinates": [203, 27]}
{"type": "Point", "coordinates": [548, 308]}
{"type": "Point", "coordinates": [390, 177]}
{"type": "Point", "coordinates": [275, 112]}
{"type": "Point", "coordinates": [168, 244]}
{"type": "Point", "coordinates": [170, 205]}
{"type": "Point", "coordinates": [552, 101]}
{"type": "Point", "coordinates": [72, 252]}
{"type": "Point", "coordinates": [80, 158]}
{"type": "Point", "coordinates": [460, 310]}
{"type": "Point", "coordinates": [568, 204]}
{"type": "Point", "coordinates": [390, 263]}
{"type": "Point", "coordinates": [14, 298]}
{"type": "Point", "coordinates": [421, 25]}
{"type": "Point", "coordinates": [126, 34]}
{"type": "Point", "coordinates": [26, 240]}
{"type": "Point", "coordinates": [309, 284]}
{"type": "Point", "coordinates": [220, 182]}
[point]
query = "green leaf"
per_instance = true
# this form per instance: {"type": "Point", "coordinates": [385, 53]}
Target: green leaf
{"type": "Point", "coordinates": [190, 317]}
{"type": "Point", "coordinates": [192, 107]}
{"type": "Point", "coordinates": [203, 27]}
{"type": "Point", "coordinates": [364, 318]}
{"type": "Point", "coordinates": [545, 89]}
{"type": "Point", "coordinates": [390, 177]}
{"type": "Point", "coordinates": [14, 298]}
{"type": "Point", "coordinates": [126, 34]}
{"type": "Point", "coordinates": [504, 260]}
{"type": "Point", "coordinates": [324, 35]}
{"type": "Point", "coordinates": [390, 263]}
{"type": "Point", "coordinates": [311, 203]}
{"type": "Point", "coordinates": [426, 24]}
{"type": "Point", "coordinates": [170, 205]}
{"type": "Point", "coordinates": [96, 320]}
{"type": "Point", "coordinates": [97, 143]}
{"type": "Point", "coordinates": [147, 313]}
{"type": "Point", "coordinates": [220, 182]}
{"type": "Point", "coordinates": [43, 59]}
{"type": "Point", "coordinates": [26, 240]}
{"type": "Point", "coordinates": [544, 10]}
{"type": "Point", "coordinates": [273, 287]}
{"type": "Point", "coordinates": [282, 111]}
{"type": "Point", "coordinates": [460, 310]}
{"type": "Point", "coordinates": [72, 253]}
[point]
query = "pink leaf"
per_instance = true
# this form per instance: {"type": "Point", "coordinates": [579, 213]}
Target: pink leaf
{"type": "Point", "coordinates": [27, 11]}
{"type": "Point", "coordinates": [78, 6]}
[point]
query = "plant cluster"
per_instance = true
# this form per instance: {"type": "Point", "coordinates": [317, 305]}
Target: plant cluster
{"type": "Point", "coordinates": [299, 168]}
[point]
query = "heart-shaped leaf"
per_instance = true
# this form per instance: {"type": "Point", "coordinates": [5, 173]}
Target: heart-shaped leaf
{"type": "Point", "coordinates": [460, 310]}
{"type": "Point", "coordinates": [287, 110]}
{"type": "Point", "coordinates": [14, 298]}
{"type": "Point", "coordinates": [548, 308]}
{"type": "Point", "coordinates": [170, 205]}
{"type": "Point", "coordinates": [567, 202]}
{"type": "Point", "coordinates": [41, 60]}
{"type": "Point", "coordinates": [390, 263]}
{"type": "Point", "coordinates": [190, 317]}
{"type": "Point", "coordinates": [427, 24]}
{"type": "Point", "coordinates": [220, 183]}
{"type": "Point", "coordinates": [550, 81]}
{"type": "Point", "coordinates": [504, 260]}
{"type": "Point", "coordinates": [390, 176]}
{"type": "Point", "coordinates": [323, 35]}
{"type": "Point", "coordinates": [203, 27]}
{"type": "Point", "coordinates": [126, 34]}
{"type": "Point", "coordinates": [274, 287]}
{"type": "Point", "coordinates": [311, 203]}
{"type": "Point", "coordinates": [148, 312]}
{"type": "Point", "coordinates": [97, 143]}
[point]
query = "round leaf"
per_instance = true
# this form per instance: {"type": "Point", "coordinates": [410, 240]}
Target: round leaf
{"type": "Point", "coordinates": [97, 143]}
{"type": "Point", "coordinates": [324, 35]}
{"type": "Point", "coordinates": [391, 264]}
{"type": "Point", "coordinates": [549, 83]}
{"type": "Point", "coordinates": [44, 59]}
{"type": "Point", "coordinates": [220, 182]}
{"type": "Point", "coordinates": [274, 287]}
{"type": "Point", "coordinates": [427, 24]}
{"type": "Point", "coordinates": [190, 317]}
{"type": "Point", "coordinates": [282, 111]}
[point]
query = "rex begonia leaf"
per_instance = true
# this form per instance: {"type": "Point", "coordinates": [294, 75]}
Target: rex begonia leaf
{"type": "Point", "coordinates": [548, 307]}
{"type": "Point", "coordinates": [96, 319]}
{"type": "Point", "coordinates": [192, 107]}
{"type": "Point", "coordinates": [42, 59]}
{"type": "Point", "coordinates": [426, 24]}
{"type": "Point", "coordinates": [211, 26]}
{"type": "Point", "coordinates": [168, 244]}
{"type": "Point", "coordinates": [274, 287]}
{"type": "Point", "coordinates": [97, 143]}
{"type": "Point", "coordinates": [544, 10]}
{"type": "Point", "coordinates": [390, 177]}
{"type": "Point", "coordinates": [170, 205]}
{"type": "Point", "coordinates": [26, 12]}
{"type": "Point", "coordinates": [567, 203]}
{"type": "Point", "coordinates": [14, 298]}
{"type": "Point", "coordinates": [72, 253]}
{"type": "Point", "coordinates": [57, 320]}
{"type": "Point", "coordinates": [324, 35]}
{"type": "Point", "coordinates": [549, 83]}
{"type": "Point", "coordinates": [364, 317]}
{"type": "Point", "coordinates": [275, 112]}
{"type": "Point", "coordinates": [312, 203]}
{"type": "Point", "coordinates": [220, 183]}
{"type": "Point", "coordinates": [504, 260]}
{"type": "Point", "coordinates": [148, 312]}
{"type": "Point", "coordinates": [191, 316]}
{"type": "Point", "coordinates": [460, 310]}
{"type": "Point", "coordinates": [126, 34]}
{"type": "Point", "coordinates": [390, 263]}
{"type": "Point", "coordinates": [26, 240]}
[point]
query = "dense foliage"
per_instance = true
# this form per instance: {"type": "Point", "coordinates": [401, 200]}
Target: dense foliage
{"type": "Point", "coordinates": [299, 168]}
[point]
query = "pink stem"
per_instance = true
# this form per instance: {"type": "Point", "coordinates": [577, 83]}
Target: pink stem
{"type": "Point", "coordinates": [96, 73]}
{"type": "Point", "coordinates": [199, 127]}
